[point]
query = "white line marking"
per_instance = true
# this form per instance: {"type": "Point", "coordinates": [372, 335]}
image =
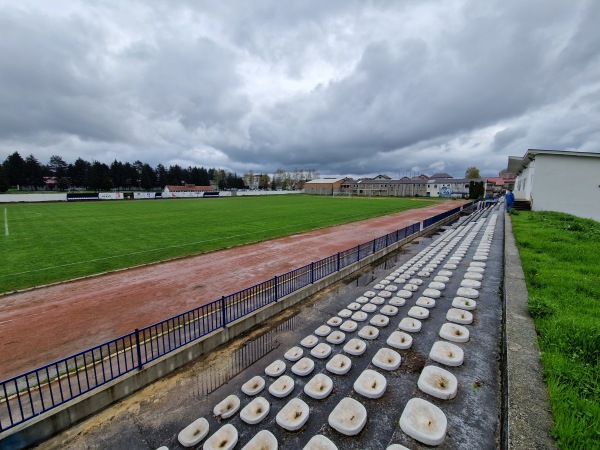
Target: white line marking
{"type": "Point", "coordinates": [5, 222]}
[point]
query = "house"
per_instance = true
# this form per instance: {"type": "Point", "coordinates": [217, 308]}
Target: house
{"type": "Point", "coordinates": [188, 190]}
{"type": "Point", "coordinates": [497, 185]}
{"type": "Point", "coordinates": [252, 180]}
{"type": "Point", "coordinates": [444, 185]}
{"type": "Point", "coordinates": [384, 187]}
{"type": "Point", "coordinates": [323, 186]}
{"type": "Point", "coordinates": [558, 180]}
{"type": "Point", "coordinates": [50, 183]}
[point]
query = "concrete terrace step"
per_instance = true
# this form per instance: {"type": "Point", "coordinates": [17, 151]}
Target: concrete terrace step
{"type": "Point", "coordinates": [365, 371]}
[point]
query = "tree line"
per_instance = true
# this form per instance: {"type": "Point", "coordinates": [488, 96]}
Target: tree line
{"type": "Point", "coordinates": [29, 174]}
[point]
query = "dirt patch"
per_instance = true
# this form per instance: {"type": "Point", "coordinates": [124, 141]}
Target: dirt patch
{"type": "Point", "coordinates": [46, 324]}
{"type": "Point", "coordinates": [412, 362]}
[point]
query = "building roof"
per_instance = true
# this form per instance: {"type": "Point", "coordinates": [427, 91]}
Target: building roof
{"type": "Point", "coordinates": [516, 164]}
{"type": "Point", "coordinates": [325, 181]}
{"type": "Point", "coordinates": [365, 181]}
{"type": "Point", "coordinates": [453, 180]}
{"type": "Point", "coordinates": [500, 181]}
{"type": "Point", "coordinates": [189, 188]}
{"type": "Point", "coordinates": [441, 175]}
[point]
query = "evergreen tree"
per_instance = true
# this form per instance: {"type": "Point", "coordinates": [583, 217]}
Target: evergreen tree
{"type": "Point", "coordinates": [161, 176]}
{"type": "Point", "coordinates": [175, 175]}
{"type": "Point", "coordinates": [14, 168]}
{"type": "Point", "coordinates": [99, 177]}
{"type": "Point", "coordinates": [117, 174]}
{"type": "Point", "coordinates": [57, 167]}
{"type": "Point", "coordinates": [147, 178]}
{"type": "Point", "coordinates": [34, 172]}
{"type": "Point", "coordinates": [63, 183]}
{"type": "Point", "coordinates": [78, 173]}
{"type": "Point", "coordinates": [3, 180]}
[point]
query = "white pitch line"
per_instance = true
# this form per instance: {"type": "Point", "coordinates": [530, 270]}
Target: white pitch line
{"type": "Point", "coordinates": [5, 222]}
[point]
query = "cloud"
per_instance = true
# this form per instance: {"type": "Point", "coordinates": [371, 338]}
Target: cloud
{"type": "Point", "coordinates": [345, 87]}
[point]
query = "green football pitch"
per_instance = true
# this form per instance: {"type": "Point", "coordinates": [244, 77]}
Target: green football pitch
{"type": "Point", "coordinates": [48, 242]}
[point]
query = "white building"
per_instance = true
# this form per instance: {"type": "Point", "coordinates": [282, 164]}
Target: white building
{"type": "Point", "coordinates": [556, 180]}
{"type": "Point", "coordinates": [444, 185]}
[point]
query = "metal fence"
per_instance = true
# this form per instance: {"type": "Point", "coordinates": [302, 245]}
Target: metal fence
{"type": "Point", "coordinates": [435, 219]}
{"type": "Point", "coordinates": [28, 395]}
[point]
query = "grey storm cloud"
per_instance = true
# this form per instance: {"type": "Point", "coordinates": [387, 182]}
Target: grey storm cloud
{"type": "Point", "coordinates": [344, 87]}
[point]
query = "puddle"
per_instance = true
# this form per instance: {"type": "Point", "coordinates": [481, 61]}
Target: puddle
{"type": "Point", "coordinates": [252, 351]}
{"type": "Point", "coordinates": [368, 274]}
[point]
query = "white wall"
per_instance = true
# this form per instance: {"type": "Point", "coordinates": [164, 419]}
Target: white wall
{"type": "Point", "coordinates": [568, 184]}
{"type": "Point", "coordinates": [524, 182]}
{"type": "Point", "coordinates": [15, 198]}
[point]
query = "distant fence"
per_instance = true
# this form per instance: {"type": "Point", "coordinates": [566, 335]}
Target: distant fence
{"type": "Point", "coordinates": [28, 395]}
{"type": "Point", "coordinates": [32, 197]}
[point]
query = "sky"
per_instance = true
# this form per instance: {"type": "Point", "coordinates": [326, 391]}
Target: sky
{"type": "Point", "coordinates": [348, 88]}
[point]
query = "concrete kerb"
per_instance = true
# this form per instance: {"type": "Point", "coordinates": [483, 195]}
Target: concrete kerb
{"type": "Point", "coordinates": [60, 418]}
{"type": "Point", "coordinates": [529, 417]}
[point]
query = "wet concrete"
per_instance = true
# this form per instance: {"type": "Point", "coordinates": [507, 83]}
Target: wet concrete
{"type": "Point", "coordinates": [154, 416]}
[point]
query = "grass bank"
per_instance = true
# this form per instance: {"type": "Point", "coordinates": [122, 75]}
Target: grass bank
{"type": "Point", "coordinates": [48, 242]}
{"type": "Point", "coordinates": [561, 260]}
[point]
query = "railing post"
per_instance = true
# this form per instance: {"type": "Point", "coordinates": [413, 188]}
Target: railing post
{"type": "Point", "coordinates": [223, 312]}
{"type": "Point", "coordinates": [276, 293]}
{"type": "Point", "coordinates": [338, 262]}
{"type": "Point", "coordinates": [312, 272]}
{"type": "Point", "coordinates": [386, 240]}
{"type": "Point", "coordinates": [138, 348]}
{"type": "Point", "coordinates": [374, 241]}
{"type": "Point", "coordinates": [358, 253]}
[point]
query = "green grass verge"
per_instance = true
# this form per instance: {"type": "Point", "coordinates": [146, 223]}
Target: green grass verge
{"type": "Point", "coordinates": [561, 259]}
{"type": "Point", "coordinates": [49, 242]}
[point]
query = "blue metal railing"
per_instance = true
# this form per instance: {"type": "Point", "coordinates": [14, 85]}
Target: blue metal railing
{"type": "Point", "coordinates": [435, 219]}
{"type": "Point", "coordinates": [28, 395]}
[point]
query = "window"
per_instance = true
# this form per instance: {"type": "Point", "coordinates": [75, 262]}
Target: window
{"type": "Point", "coordinates": [435, 186]}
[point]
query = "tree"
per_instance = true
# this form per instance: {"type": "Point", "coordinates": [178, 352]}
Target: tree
{"type": "Point", "coordinates": [263, 182]}
{"type": "Point", "coordinates": [476, 190]}
{"type": "Point", "coordinates": [249, 179]}
{"type": "Point", "coordinates": [220, 179]}
{"type": "Point", "coordinates": [161, 176]}
{"type": "Point", "coordinates": [130, 175]}
{"type": "Point", "coordinates": [57, 166]}
{"type": "Point", "coordinates": [175, 175]}
{"type": "Point", "coordinates": [34, 172]}
{"type": "Point", "coordinates": [472, 172]}
{"type": "Point", "coordinates": [147, 177]}
{"type": "Point", "coordinates": [99, 177]}
{"type": "Point", "coordinates": [278, 179]}
{"type": "Point", "coordinates": [63, 183]}
{"type": "Point", "coordinates": [117, 174]}
{"type": "Point", "coordinates": [78, 173]}
{"type": "Point", "coordinates": [3, 180]}
{"type": "Point", "coordinates": [14, 168]}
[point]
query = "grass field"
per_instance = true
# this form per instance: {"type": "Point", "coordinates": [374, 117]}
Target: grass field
{"type": "Point", "coordinates": [48, 242]}
{"type": "Point", "coordinates": [561, 260]}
